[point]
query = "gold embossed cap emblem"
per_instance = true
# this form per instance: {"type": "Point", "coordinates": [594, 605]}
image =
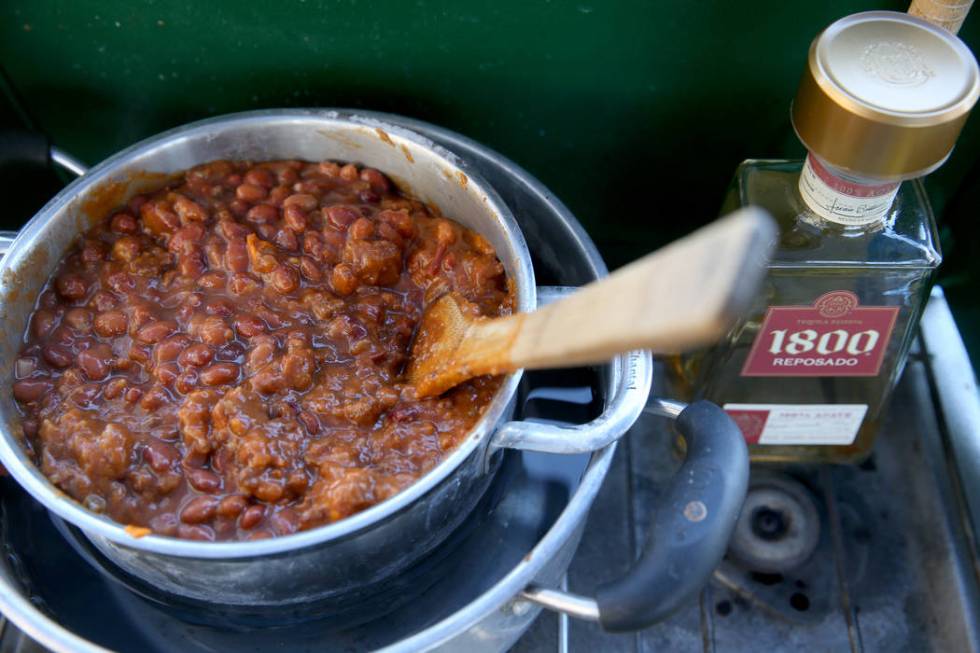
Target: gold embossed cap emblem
{"type": "Point", "coordinates": [885, 95]}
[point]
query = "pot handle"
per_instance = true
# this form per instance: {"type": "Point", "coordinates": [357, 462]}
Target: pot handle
{"type": "Point", "coordinates": [691, 528]}
{"type": "Point", "coordinates": [34, 147]}
{"type": "Point", "coordinates": [31, 146]}
{"type": "Point", "coordinates": [627, 386]}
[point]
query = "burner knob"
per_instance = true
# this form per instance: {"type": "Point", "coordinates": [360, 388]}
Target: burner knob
{"type": "Point", "coordinates": [779, 526]}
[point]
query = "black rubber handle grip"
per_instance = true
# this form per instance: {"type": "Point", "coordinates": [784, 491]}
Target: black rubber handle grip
{"type": "Point", "coordinates": [20, 147]}
{"type": "Point", "coordinates": [691, 528]}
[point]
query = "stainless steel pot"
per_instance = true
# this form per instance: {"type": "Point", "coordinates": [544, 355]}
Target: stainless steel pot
{"type": "Point", "coordinates": [693, 520]}
{"type": "Point", "coordinates": [366, 548]}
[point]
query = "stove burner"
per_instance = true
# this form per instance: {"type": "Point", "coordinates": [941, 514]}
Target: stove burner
{"type": "Point", "coordinates": [779, 527]}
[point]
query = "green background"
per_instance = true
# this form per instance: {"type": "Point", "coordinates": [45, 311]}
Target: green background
{"type": "Point", "coordinates": [634, 113]}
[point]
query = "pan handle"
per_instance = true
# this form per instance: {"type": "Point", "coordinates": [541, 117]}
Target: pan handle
{"type": "Point", "coordinates": [691, 528]}
{"type": "Point", "coordinates": [627, 386]}
{"type": "Point", "coordinates": [33, 146]}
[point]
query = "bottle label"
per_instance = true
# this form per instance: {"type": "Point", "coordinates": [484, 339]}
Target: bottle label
{"type": "Point", "coordinates": [841, 201]}
{"type": "Point", "coordinates": [834, 337]}
{"type": "Point", "coordinates": [794, 424]}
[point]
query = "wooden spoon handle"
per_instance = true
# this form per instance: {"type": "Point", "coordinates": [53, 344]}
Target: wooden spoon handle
{"type": "Point", "coordinates": [680, 297]}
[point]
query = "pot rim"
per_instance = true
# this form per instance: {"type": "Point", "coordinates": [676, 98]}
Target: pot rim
{"type": "Point", "coordinates": [17, 462]}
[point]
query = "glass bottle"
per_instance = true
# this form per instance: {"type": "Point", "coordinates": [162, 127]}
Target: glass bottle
{"type": "Point", "coordinates": [807, 373]}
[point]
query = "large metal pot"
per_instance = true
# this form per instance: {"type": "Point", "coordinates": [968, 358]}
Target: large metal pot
{"type": "Point", "coordinates": [364, 549]}
{"type": "Point", "coordinates": [693, 520]}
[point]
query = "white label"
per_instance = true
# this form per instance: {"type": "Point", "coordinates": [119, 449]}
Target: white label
{"type": "Point", "coordinates": [841, 201]}
{"type": "Point", "coordinates": [830, 424]}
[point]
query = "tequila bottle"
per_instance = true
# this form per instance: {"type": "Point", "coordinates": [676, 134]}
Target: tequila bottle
{"type": "Point", "coordinates": [808, 373]}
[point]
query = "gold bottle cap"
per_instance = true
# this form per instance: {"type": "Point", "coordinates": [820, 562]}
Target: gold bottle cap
{"type": "Point", "coordinates": [885, 95]}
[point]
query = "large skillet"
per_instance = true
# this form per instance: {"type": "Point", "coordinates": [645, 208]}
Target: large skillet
{"type": "Point", "coordinates": [365, 549]}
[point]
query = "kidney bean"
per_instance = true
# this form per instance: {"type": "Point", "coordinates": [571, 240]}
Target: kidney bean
{"type": "Point", "coordinates": [188, 210]}
{"type": "Point", "coordinates": [294, 218]}
{"type": "Point", "coordinates": [251, 517]}
{"type": "Point", "coordinates": [132, 395]}
{"type": "Point", "coordinates": [169, 349]}
{"type": "Point", "coordinates": [259, 177]}
{"type": "Point", "coordinates": [242, 284]}
{"type": "Point", "coordinates": [196, 355]}
{"type": "Point", "coordinates": [92, 252]}
{"type": "Point", "coordinates": [285, 239]}
{"type": "Point", "coordinates": [231, 506]}
{"type": "Point", "coordinates": [250, 193]}
{"type": "Point", "coordinates": [230, 229]}
{"type": "Point", "coordinates": [212, 281]}
{"type": "Point", "coordinates": [158, 219]}
{"type": "Point", "coordinates": [186, 238]}
{"type": "Point", "coordinates": [155, 398]}
{"type": "Point", "coordinates": [349, 172]}
{"type": "Point", "coordinates": [236, 256]}
{"type": "Point", "coordinates": [79, 319]}
{"type": "Point", "coordinates": [262, 214]}
{"type": "Point", "coordinates": [212, 329]}
{"type": "Point", "coordinates": [43, 323]}
{"type": "Point", "coordinates": [340, 217]}
{"type": "Point", "coordinates": [122, 282]}
{"type": "Point", "coordinates": [377, 180]}
{"type": "Point", "coordinates": [262, 353]}
{"type": "Point", "coordinates": [310, 422]}
{"type": "Point", "coordinates": [57, 355]}
{"type": "Point", "coordinates": [96, 361]}
{"type": "Point", "coordinates": [313, 245]}
{"type": "Point", "coordinates": [186, 382]}
{"type": "Point", "coordinates": [123, 223]}
{"type": "Point", "coordinates": [191, 265]}
{"type": "Point", "coordinates": [114, 388]}
{"type": "Point", "coordinates": [231, 352]}
{"type": "Point", "coordinates": [110, 323]}
{"type": "Point", "coordinates": [303, 201]}
{"type": "Point", "coordinates": [160, 456]}
{"type": "Point", "coordinates": [342, 279]}
{"type": "Point", "coordinates": [219, 374]}
{"type": "Point", "coordinates": [362, 229]}
{"type": "Point", "coordinates": [30, 390]}
{"type": "Point", "coordinates": [71, 286]}
{"type": "Point", "coordinates": [199, 510]}
{"type": "Point", "coordinates": [84, 395]}
{"type": "Point", "coordinates": [310, 270]}
{"type": "Point", "coordinates": [284, 279]}
{"type": "Point", "coordinates": [328, 168]}
{"type": "Point", "coordinates": [155, 331]}
{"type": "Point", "coordinates": [284, 521]}
{"type": "Point", "coordinates": [203, 480]}
{"type": "Point", "coordinates": [277, 195]}
{"type": "Point", "coordinates": [238, 208]}
{"type": "Point", "coordinates": [248, 325]}
{"type": "Point", "coordinates": [166, 374]}
{"type": "Point", "coordinates": [102, 301]}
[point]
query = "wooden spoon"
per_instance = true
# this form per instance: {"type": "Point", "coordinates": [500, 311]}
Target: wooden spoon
{"type": "Point", "coordinates": [680, 297]}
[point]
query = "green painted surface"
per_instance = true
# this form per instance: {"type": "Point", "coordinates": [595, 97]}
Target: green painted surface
{"type": "Point", "coordinates": [635, 113]}
{"type": "Point", "coordinates": [613, 105]}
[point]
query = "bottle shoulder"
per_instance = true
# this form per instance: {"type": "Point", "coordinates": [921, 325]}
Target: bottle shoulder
{"type": "Point", "coordinates": [906, 238]}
